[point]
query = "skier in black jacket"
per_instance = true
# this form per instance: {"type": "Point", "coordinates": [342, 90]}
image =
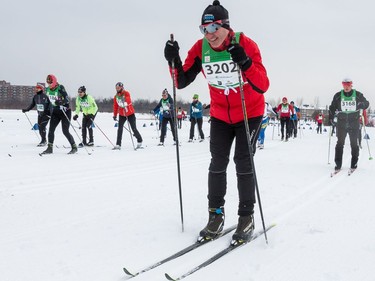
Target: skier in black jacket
{"type": "Point", "coordinates": [165, 106]}
{"type": "Point", "coordinates": [42, 103]}
{"type": "Point", "coordinates": [345, 111]}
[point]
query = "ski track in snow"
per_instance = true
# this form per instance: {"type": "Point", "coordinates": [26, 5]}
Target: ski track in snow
{"type": "Point", "coordinates": [87, 216]}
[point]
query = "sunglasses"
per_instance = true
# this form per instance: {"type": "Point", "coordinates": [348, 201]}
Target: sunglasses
{"type": "Point", "coordinates": [211, 27]}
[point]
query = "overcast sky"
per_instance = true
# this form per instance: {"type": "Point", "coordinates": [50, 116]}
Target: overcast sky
{"type": "Point", "coordinates": [307, 46]}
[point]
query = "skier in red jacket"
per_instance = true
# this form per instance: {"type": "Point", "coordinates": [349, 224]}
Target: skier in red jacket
{"type": "Point", "coordinates": [217, 55]}
{"type": "Point", "coordinates": [285, 110]}
{"type": "Point", "coordinates": [123, 106]}
{"type": "Point", "coordinates": [319, 120]}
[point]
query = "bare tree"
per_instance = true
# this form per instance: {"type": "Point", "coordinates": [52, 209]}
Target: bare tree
{"type": "Point", "coordinates": [300, 101]}
{"type": "Point", "coordinates": [316, 102]}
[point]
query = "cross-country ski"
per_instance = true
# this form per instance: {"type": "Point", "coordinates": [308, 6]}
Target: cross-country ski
{"type": "Point", "coordinates": [180, 253]}
{"type": "Point", "coordinates": [219, 255]}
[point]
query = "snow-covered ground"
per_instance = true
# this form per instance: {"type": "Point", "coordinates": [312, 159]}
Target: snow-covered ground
{"type": "Point", "coordinates": [84, 217]}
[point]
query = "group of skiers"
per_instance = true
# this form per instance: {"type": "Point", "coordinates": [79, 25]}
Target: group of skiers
{"type": "Point", "coordinates": [238, 112]}
{"type": "Point", "coordinates": [165, 110]}
{"type": "Point", "coordinates": [288, 115]}
{"type": "Point", "coordinates": [53, 104]}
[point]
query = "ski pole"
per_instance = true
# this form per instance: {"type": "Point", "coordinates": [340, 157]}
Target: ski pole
{"type": "Point", "coordinates": [31, 125]}
{"type": "Point", "coordinates": [246, 122]}
{"type": "Point", "coordinates": [176, 137]}
{"type": "Point", "coordinates": [62, 108]}
{"type": "Point", "coordinates": [131, 135]}
{"type": "Point", "coordinates": [96, 125]}
{"type": "Point", "coordinates": [156, 126]}
{"type": "Point", "coordinates": [79, 125]}
{"type": "Point", "coordinates": [368, 147]}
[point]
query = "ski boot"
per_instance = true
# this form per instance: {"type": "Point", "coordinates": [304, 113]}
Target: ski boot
{"type": "Point", "coordinates": [80, 145]}
{"type": "Point", "coordinates": [49, 149]}
{"type": "Point", "coordinates": [74, 149]}
{"type": "Point", "coordinates": [245, 229]}
{"type": "Point", "coordinates": [215, 224]}
{"type": "Point", "coordinates": [42, 143]}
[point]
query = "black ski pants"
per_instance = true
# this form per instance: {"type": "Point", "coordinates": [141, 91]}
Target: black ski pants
{"type": "Point", "coordinates": [319, 128]}
{"type": "Point", "coordinates": [293, 128]}
{"type": "Point", "coordinates": [341, 131]}
{"type": "Point", "coordinates": [221, 140]}
{"type": "Point", "coordinates": [284, 122]}
{"type": "Point", "coordinates": [132, 121]}
{"type": "Point", "coordinates": [164, 123]}
{"type": "Point", "coordinates": [87, 123]}
{"type": "Point", "coordinates": [43, 120]}
{"type": "Point", "coordinates": [58, 115]}
{"type": "Point", "coordinates": [199, 122]}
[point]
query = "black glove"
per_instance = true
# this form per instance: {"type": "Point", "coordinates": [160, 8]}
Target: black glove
{"type": "Point", "coordinates": [331, 122]}
{"type": "Point", "coordinates": [90, 116]}
{"type": "Point", "coordinates": [360, 105]}
{"type": "Point", "coordinates": [171, 51]}
{"type": "Point", "coordinates": [75, 117]}
{"type": "Point", "coordinates": [24, 110]}
{"type": "Point", "coordinates": [239, 56]}
{"type": "Point", "coordinates": [114, 118]}
{"type": "Point", "coordinates": [58, 102]}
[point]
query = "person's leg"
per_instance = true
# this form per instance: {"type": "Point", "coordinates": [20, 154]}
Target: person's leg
{"type": "Point", "coordinates": [221, 139]}
{"type": "Point", "coordinates": [132, 121]}
{"type": "Point", "coordinates": [120, 129]}
{"type": "Point", "coordinates": [339, 149]}
{"type": "Point", "coordinates": [353, 137]}
{"type": "Point", "coordinates": [200, 123]}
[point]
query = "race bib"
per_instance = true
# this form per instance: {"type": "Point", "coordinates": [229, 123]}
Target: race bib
{"type": "Point", "coordinates": [284, 109]}
{"type": "Point", "coordinates": [221, 74]}
{"type": "Point", "coordinates": [40, 107]}
{"type": "Point", "coordinates": [348, 105]}
{"type": "Point", "coordinates": [84, 104]}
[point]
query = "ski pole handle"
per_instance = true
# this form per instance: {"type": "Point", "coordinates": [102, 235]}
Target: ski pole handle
{"type": "Point", "coordinates": [172, 37]}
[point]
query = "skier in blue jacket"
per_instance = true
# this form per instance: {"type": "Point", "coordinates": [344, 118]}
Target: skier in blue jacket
{"type": "Point", "coordinates": [196, 117]}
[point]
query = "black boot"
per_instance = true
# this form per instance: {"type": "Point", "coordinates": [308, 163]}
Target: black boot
{"type": "Point", "coordinates": [74, 149]}
{"type": "Point", "coordinates": [215, 223]}
{"type": "Point", "coordinates": [49, 149]}
{"type": "Point", "coordinates": [245, 229]}
{"type": "Point", "coordinates": [42, 143]}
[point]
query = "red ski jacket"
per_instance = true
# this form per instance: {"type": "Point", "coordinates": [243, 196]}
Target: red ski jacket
{"type": "Point", "coordinates": [228, 107]}
{"type": "Point", "coordinates": [122, 104]}
{"type": "Point", "coordinates": [283, 113]}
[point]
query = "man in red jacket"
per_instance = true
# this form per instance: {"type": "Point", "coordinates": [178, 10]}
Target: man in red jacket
{"type": "Point", "coordinates": [122, 105]}
{"type": "Point", "coordinates": [319, 120]}
{"type": "Point", "coordinates": [285, 110]}
{"type": "Point", "coordinates": [218, 55]}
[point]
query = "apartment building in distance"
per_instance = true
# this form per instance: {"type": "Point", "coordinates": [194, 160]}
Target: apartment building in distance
{"type": "Point", "coordinates": [15, 96]}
